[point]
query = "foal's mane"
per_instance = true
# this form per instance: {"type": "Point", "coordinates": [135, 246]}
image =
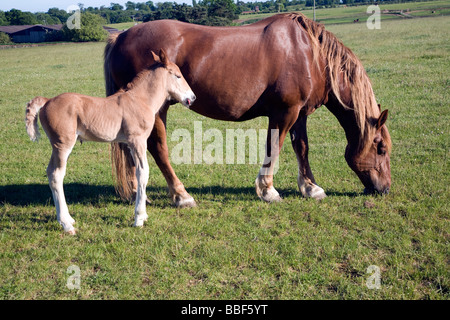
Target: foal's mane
{"type": "Point", "coordinates": [340, 59]}
{"type": "Point", "coordinates": [138, 79]}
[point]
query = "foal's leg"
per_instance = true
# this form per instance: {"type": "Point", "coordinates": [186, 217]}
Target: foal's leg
{"type": "Point", "coordinates": [157, 145]}
{"type": "Point", "coordinates": [279, 125]}
{"type": "Point", "coordinates": [56, 171]}
{"type": "Point", "coordinates": [306, 183]}
{"type": "Point", "coordinates": [138, 151]}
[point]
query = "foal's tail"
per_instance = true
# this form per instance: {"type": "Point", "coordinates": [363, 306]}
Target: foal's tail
{"type": "Point", "coordinates": [31, 114]}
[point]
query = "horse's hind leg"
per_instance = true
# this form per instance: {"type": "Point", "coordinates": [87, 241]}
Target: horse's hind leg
{"type": "Point", "coordinates": [306, 183]}
{"type": "Point", "coordinates": [157, 145]}
{"type": "Point", "coordinates": [138, 151]}
{"type": "Point", "coordinates": [56, 171]}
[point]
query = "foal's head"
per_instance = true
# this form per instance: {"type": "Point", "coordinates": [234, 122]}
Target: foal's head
{"type": "Point", "coordinates": [372, 164]}
{"type": "Point", "coordinates": [177, 87]}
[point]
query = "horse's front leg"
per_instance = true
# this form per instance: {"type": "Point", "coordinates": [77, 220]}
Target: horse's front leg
{"type": "Point", "coordinates": [305, 180]}
{"type": "Point", "coordinates": [279, 125]}
{"type": "Point", "coordinates": [157, 145]}
{"type": "Point", "coordinates": [138, 151]}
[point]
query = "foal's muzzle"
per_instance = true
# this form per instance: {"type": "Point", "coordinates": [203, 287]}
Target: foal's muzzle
{"type": "Point", "coordinates": [190, 100]}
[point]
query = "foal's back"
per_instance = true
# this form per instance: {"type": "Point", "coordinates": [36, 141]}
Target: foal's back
{"type": "Point", "coordinates": [72, 115]}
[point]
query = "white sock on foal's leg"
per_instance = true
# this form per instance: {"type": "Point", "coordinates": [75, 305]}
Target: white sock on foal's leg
{"type": "Point", "coordinates": [55, 179]}
{"type": "Point", "coordinates": [142, 175]}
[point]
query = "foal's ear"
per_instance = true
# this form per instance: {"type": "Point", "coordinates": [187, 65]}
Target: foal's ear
{"type": "Point", "coordinates": [382, 119]}
{"type": "Point", "coordinates": [155, 57]}
{"type": "Point", "coordinates": [163, 57]}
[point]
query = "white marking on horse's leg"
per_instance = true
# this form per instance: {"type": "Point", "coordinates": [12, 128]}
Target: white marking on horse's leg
{"type": "Point", "coordinates": [264, 181]}
{"type": "Point", "coordinates": [142, 175]}
{"type": "Point", "coordinates": [55, 172]}
{"type": "Point", "coordinates": [264, 187]}
{"type": "Point", "coordinates": [307, 187]}
{"type": "Point", "coordinates": [305, 179]}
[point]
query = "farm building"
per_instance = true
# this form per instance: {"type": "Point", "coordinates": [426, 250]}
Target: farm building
{"type": "Point", "coordinates": [36, 33]}
{"type": "Point", "coordinates": [29, 33]}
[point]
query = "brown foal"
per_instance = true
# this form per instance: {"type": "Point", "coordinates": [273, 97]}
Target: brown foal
{"type": "Point", "coordinates": [127, 117]}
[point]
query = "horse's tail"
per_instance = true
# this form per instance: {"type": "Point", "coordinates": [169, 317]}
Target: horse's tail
{"type": "Point", "coordinates": [110, 85]}
{"type": "Point", "coordinates": [31, 113]}
{"type": "Point", "coordinates": [120, 155]}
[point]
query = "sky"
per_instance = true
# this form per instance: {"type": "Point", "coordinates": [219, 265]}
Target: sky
{"type": "Point", "coordinates": [44, 5]}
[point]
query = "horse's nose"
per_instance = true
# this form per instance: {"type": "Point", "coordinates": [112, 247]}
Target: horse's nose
{"type": "Point", "coordinates": [376, 191]}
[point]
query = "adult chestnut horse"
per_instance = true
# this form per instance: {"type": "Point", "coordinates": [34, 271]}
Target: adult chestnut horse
{"type": "Point", "coordinates": [282, 67]}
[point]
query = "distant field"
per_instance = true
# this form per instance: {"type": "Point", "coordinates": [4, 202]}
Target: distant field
{"type": "Point", "coordinates": [122, 26]}
{"type": "Point", "coordinates": [349, 14]}
{"type": "Point", "coordinates": [233, 246]}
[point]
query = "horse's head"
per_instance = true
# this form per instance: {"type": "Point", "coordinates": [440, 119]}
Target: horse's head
{"type": "Point", "coordinates": [177, 87]}
{"type": "Point", "coordinates": [372, 163]}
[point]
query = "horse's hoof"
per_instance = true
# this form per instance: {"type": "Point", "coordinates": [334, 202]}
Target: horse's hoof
{"type": "Point", "coordinates": [311, 190]}
{"type": "Point", "coordinates": [270, 195]}
{"type": "Point", "coordinates": [188, 202]}
{"type": "Point", "coordinates": [318, 193]}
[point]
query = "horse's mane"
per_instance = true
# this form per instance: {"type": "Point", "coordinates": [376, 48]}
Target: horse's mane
{"type": "Point", "coordinates": [341, 59]}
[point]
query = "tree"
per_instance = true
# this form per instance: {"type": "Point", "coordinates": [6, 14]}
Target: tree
{"type": "Point", "coordinates": [3, 20]}
{"type": "Point", "coordinates": [221, 8]}
{"type": "Point", "coordinates": [116, 7]}
{"type": "Point", "coordinates": [91, 29]}
{"type": "Point", "coordinates": [17, 17]}
{"type": "Point", "coordinates": [130, 5]}
{"type": "Point", "coordinates": [5, 39]}
{"type": "Point", "coordinates": [61, 15]}
{"type": "Point", "coordinates": [45, 18]}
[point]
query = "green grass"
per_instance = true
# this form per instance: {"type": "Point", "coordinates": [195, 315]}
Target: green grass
{"type": "Point", "coordinates": [122, 25]}
{"type": "Point", "coordinates": [342, 14]}
{"type": "Point", "coordinates": [233, 246]}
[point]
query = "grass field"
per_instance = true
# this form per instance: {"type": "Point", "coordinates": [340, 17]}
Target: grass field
{"type": "Point", "coordinates": [233, 246]}
{"type": "Point", "coordinates": [349, 14]}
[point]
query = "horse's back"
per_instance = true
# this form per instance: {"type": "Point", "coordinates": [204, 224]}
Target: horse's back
{"type": "Point", "coordinates": [236, 72]}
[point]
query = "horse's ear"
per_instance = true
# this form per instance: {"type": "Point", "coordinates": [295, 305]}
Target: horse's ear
{"type": "Point", "coordinates": [163, 57]}
{"type": "Point", "coordinates": [155, 57]}
{"type": "Point", "coordinates": [382, 119]}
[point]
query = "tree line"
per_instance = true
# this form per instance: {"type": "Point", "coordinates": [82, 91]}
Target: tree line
{"type": "Point", "coordinates": [205, 12]}
{"type": "Point", "coordinates": [209, 12]}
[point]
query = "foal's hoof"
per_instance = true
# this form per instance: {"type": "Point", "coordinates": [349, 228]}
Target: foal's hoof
{"type": "Point", "coordinates": [139, 220]}
{"type": "Point", "coordinates": [72, 232]}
